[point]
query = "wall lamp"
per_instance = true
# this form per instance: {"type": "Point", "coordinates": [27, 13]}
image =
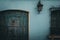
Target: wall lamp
{"type": "Point", "coordinates": [39, 6]}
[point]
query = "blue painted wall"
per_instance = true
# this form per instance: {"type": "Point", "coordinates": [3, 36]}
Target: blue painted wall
{"type": "Point", "coordinates": [39, 24]}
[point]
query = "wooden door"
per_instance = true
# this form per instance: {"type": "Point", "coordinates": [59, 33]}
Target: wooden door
{"type": "Point", "coordinates": [16, 25]}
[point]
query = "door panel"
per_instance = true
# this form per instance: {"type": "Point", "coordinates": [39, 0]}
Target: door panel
{"type": "Point", "coordinates": [16, 25]}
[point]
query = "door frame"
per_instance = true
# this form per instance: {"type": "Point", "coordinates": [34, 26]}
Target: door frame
{"type": "Point", "coordinates": [18, 11]}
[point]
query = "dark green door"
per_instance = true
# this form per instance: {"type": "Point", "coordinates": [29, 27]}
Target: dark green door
{"type": "Point", "coordinates": [16, 25]}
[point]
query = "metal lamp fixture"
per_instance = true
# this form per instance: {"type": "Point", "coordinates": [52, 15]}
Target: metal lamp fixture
{"type": "Point", "coordinates": [39, 6]}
